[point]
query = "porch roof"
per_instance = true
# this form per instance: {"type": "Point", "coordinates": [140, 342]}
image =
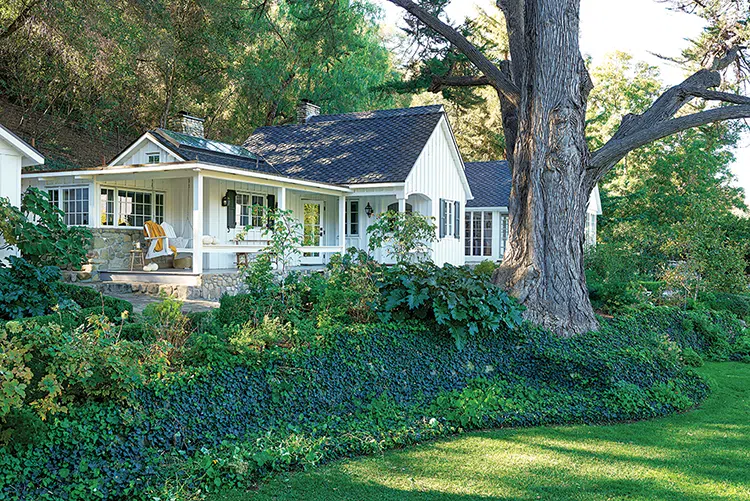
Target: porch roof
{"type": "Point", "coordinates": [209, 170]}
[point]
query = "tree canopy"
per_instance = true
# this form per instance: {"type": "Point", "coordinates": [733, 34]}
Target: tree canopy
{"type": "Point", "coordinates": [129, 65]}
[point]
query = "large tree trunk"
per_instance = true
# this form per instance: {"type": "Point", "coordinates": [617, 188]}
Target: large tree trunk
{"type": "Point", "coordinates": [543, 266]}
{"type": "Point", "coordinates": [543, 91]}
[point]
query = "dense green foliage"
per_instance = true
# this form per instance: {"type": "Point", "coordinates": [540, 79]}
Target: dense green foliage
{"type": "Point", "coordinates": [351, 391]}
{"type": "Point", "coordinates": [39, 232]}
{"type": "Point", "coordinates": [669, 208]}
{"type": "Point", "coordinates": [457, 299]}
{"type": "Point", "coordinates": [27, 290]}
{"type": "Point", "coordinates": [126, 66]}
{"type": "Point", "coordinates": [678, 458]}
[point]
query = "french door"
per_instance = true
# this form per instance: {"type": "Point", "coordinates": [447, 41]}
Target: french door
{"type": "Point", "coordinates": [313, 231]}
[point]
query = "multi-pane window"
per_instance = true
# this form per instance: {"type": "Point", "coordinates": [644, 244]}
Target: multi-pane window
{"type": "Point", "coordinates": [130, 207]}
{"type": "Point", "coordinates": [352, 218]}
{"type": "Point", "coordinates": [478, 226]}
{"type": "Point", "coordinates": [153, 158]}
{"type": "Point", "coordinates": [134, 207]}
{"type": "Point", "coordinates": [159, 207]}
{"type": "Point", "coordinates": [107, 206]}
{"type": "Point", "coordinates": [503, 234]}
{"type": "Point", "coordinates": [74, 202]}
{"type": "Point", "coordinates": [449, 216]}
{"type": "Point", "coordinates": [250, 209]}
{"type": "Point", "coordinates": [590, 230]}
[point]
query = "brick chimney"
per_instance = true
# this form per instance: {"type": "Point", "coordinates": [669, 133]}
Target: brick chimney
{"type": "Point", "coordinates": [188, 124]}
{"type": "Point", "coordinates": [306, 109]}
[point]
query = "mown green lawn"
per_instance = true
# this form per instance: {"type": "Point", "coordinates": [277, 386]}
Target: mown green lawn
{"type": "Point", "coordinates": [701, 455]}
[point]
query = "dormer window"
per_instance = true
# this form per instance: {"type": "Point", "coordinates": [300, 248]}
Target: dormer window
{"type": "Point", "coordinates": [153, 158]}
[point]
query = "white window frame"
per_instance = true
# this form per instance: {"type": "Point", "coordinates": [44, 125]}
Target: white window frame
{"type": "Point", "coordinates": [483, 216]}
{"type": "Point", "coordinates": [60, 202]}
{"type": "Point", "coordinates": [352, 218]}
{"type": "Point", "coordinates": [504, 229]}
{"type": "Point", "coordinates": [117, 190]}
{"type": "Point", "coordinates": [156, 154]}
{"type": "Point", "coordinates": [252, 216]}
{"type": "Point", "coordinates": [450, 219]}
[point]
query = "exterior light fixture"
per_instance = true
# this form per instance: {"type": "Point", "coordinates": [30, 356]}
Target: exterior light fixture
{"type": "Point", "coordinates": [225, 200]}
{"type": "Point", "coordinates": [368, 209]}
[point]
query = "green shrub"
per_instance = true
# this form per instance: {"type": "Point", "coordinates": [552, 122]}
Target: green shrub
{"type": "Point", "coordinates": [90, 362]}
{"type": "Point", "coordinates": [485, 269]}
{"type": "Point", "coordinates": [167, 323]}
{"type": "Point", "coordinates": [691, 358]}
{"type": "Point", "coordinates": [739, 304]}
{"type": "Point", "coordinates": [457, 299]}
{"type": "Point", "coordinates": [404, 236]}
{"type": "Point", "coordinates": [87, 297]}
{"type": "Point", "coordinates": [27, 290]}
{"type": "Point", "coordinates": [39, 232]}
{"type": "Point", "coordinates": [271, 332]}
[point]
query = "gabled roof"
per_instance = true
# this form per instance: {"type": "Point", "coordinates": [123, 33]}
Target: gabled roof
{"type": "Point", "coordinates": [490, 183]}
{"type": "Point", "coordinates": [198, 149]}
{"type": "Point", "coordinates": [30, 155]}
{"type": "Point", "coordinates": [353, 148]}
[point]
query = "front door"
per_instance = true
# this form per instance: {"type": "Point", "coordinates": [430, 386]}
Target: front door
{"type": "Point", "coordinates": [313, 231]}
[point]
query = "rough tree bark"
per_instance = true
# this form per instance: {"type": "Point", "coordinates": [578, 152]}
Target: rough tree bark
{"type": "Point", "coordinates": [543, 92]}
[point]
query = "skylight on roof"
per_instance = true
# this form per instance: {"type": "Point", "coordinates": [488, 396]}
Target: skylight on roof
{"type": "Point", "coordinates": [207, 144]}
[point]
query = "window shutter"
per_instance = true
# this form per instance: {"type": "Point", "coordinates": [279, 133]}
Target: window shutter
{"type": "Point", "coordinates": [231, 209]}
{"type": "Point", "coordinates": [270, 205]}
{"type": "Point", "coordinates": [457, 219]}
{"type": "Point", "coordinates": [443, 222]}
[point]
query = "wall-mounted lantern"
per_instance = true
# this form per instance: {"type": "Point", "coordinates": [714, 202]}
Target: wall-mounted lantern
{"type": "Point", "coordinates": [225, 200]}
{"type": "Point", "coordinates": [368, 209]}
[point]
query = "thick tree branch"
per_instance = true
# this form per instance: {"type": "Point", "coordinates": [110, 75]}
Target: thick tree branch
{"type": "Point", "coordinates": [612, 152]}
{"type": "Point", "coordinates": [484, 65]}
{"type": "Point", "coordinates": [659, 117]}
{"type": "Point", "coordinates": [513, 10]}
{"type": "Point", "coordinates": [20, 20]}
{"type": "Point", "coordinates": [438, 82]}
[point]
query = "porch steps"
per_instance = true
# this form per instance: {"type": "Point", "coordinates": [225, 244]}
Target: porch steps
{"type": "Point", "coordinates": [153, 289]}
{"type": "Point", "coordinates": [169, 277]}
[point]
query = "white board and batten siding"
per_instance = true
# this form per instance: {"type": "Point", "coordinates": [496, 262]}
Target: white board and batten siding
{"type": "Point", "coordinates": [11, 161]}
{"type": "Point", "coordinates": [437, 175]}
{"type": "Point", "coordinates": [139, 155]}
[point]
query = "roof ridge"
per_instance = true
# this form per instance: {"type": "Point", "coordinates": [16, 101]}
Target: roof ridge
{"type": "Point", "coordinates": [377, 114]}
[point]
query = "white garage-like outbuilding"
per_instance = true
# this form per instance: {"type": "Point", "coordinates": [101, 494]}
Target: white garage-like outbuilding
{"type": "Point", "coordinates": [15, 154]}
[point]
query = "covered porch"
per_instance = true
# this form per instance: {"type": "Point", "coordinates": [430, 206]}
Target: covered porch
{"type": "Point", "coordinates": [216, 213]}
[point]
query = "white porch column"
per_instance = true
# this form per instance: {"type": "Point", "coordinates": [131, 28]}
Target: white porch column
{"type": "Point", "coordinates": [342, 224]}
{"type": "Point", "coordinates": [198, 222]}
{"type": "Point", "coordinates": [282, 198]}
{"type": "Point", "coordinates": [402, 205]}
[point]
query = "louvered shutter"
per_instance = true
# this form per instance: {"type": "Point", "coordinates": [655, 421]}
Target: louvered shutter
{"type": "Point", "coordinates": [231, 209]}
{"type": "Point", "coordinates": [270, 205]}
{"type": "Point", "coordinates": [457, 219]}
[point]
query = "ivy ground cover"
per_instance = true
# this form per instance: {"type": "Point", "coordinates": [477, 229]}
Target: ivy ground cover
{"type": "Point", "coordinates": [703, 454]}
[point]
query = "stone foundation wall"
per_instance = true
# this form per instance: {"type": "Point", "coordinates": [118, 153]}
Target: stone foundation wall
{"type": "Point", "coordinates": [112, 246]}
{"type": "Point", "coordinates": [214, 285]}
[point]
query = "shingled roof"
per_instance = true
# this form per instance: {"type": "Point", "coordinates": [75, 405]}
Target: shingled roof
{"type": "Point", "coordinates": [353, 148]}
{"type": "Point", "coordinates": [490, 183]}
{"type": "Point", "coordinates": [198, 149]}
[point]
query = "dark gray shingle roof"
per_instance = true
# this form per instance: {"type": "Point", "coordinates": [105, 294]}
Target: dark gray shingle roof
{"type": "Point", "coordinates": [489, 182]}
{"type": "Point", "coordinates": [354, 148]}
